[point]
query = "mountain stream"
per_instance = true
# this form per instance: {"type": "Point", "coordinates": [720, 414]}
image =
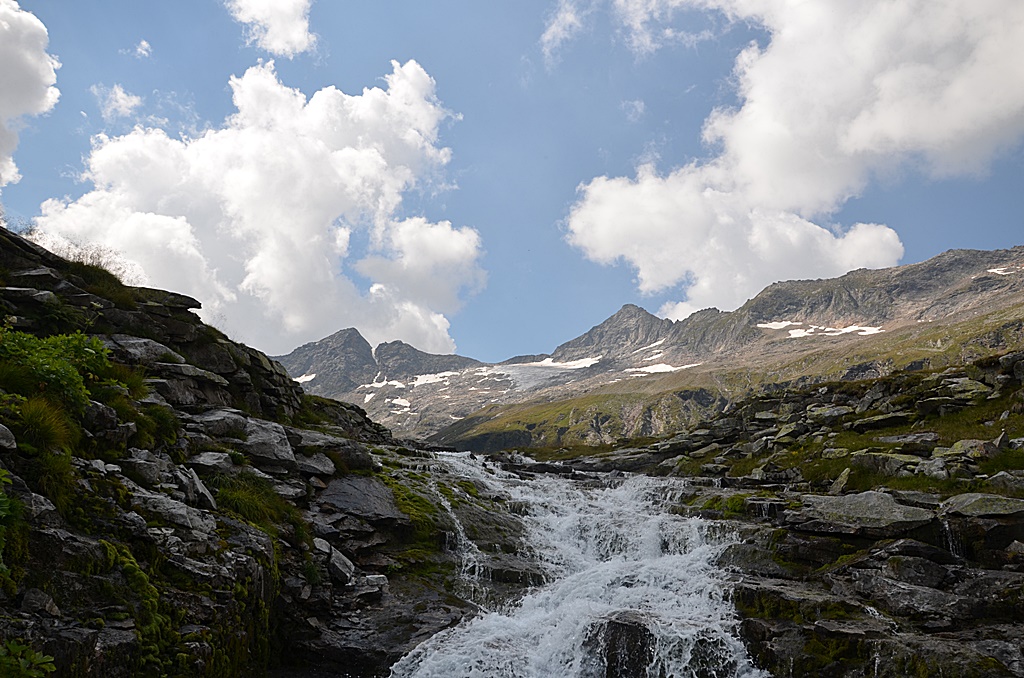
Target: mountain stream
{"type": "Point", "coordinates": [631, 589]}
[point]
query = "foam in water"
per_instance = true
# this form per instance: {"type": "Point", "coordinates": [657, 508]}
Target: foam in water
{"type": "Point", "coordinates": [632, 592]}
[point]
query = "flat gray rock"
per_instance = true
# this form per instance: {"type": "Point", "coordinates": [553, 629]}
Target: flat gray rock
{"type": "Point", "coordinates": [363, 497]}
{"type": "Point", "coordinates": [872, 514]}
{"type": "Point", "coordinates": [978, 505]}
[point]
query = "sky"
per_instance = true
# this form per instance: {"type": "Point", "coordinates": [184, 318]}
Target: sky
{"type": "Point", "coordinates": [495, 178]}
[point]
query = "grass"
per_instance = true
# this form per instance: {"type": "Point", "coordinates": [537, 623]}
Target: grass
{"type": "Point", "coordinates": [45, 426]}
{"type": "Point", "coordinates": [253, 499]}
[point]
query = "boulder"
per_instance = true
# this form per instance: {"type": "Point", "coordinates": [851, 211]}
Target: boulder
{"type": "Point", "coordinates": [318, 464]}
{"type": "Point", "coordinates": [7, 440]}
{"type": "Point", "coordinates": [624, 644]}
{"type": "Point", "coordinates": [267, 442]}
{"type": "Point", "coordinates": [173, 511]}
{"type": "Point", "coordinates": [881, 421]}
{"type": "Point", "coordinates": [870, 514]}
{"type": "Point", "coordinates": [363, 497]}
{"type": "Point", "coordinates": [139, 350]}
{"type": "Point", "coordinates": [977, 505]}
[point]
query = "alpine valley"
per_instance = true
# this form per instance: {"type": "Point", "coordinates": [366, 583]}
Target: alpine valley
{"type": "Point", "coordinates": [636, 375]}
{"type": "Point", "coordinates": [828, 481]}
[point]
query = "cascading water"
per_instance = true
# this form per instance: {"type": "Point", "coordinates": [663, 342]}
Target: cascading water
{"type": "Point", "coordinates": [632, 590]}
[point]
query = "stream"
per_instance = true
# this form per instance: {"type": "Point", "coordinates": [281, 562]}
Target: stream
{"type": "Point", "coordinates": [631, 589]}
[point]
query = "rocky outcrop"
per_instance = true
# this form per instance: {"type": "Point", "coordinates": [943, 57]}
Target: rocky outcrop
{"type": "Point", "coordinates": [201, 516]}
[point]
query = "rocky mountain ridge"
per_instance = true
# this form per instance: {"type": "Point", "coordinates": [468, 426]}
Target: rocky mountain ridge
{"type": "Point", "coordinates": [956, 306]}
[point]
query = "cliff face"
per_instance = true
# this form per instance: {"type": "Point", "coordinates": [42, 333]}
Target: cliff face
{"type": "Point", "coordinates": [173, 504]}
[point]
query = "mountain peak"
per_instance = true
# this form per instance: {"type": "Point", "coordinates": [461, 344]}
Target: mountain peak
{"type": "Point", "coordinates": [630, 328]}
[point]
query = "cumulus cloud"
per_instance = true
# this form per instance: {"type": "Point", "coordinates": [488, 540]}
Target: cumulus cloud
{"type": "Point", "coordinates": [843, 93]}
{"type": "Point", "coordinates": [280, 27]}
{"type": "Point", "coordinates": [267, 218]}
{"type": "Point", "coordinates": [27, 79]}
{"type": "Point", "coordinates": [115, 102]}
{"type": "Point", "coordinates": [143, 50]}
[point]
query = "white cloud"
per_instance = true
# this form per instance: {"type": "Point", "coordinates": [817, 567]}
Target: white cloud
{"type": "Point", "coordinates": [115, 102]}
{"type": "Point", "coordinates": [843, 93]}
{"type": "Point", "coordinates": [261, 218]}
{"type": "Point", "coordinates": [634, 109]}
{"type": "Point", "coordinates": [280, 27]}
{"type": "Point", "coordinates": [564, 24]}
{"type": "Point", "coordinates": [27, 79]}
{"type": "Point", "coordinates": [143, 50]}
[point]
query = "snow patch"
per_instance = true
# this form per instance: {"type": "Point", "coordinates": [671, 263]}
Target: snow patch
{"type": "Point", "coordinates": [304, 378]}
{"type": "Point", "coordinates": [571, 365]}
{"type": "Point", "coordinates": [778, 324]}
{"type": "Point", "coordinates": [819, 330]}
{"type": "Point", "coordinates": [654, 356]}
{"type": "Point", "coordinates": [1006, 270]}
{"type": "Point", "coordinates": [660, 368]}
{"type": "Point", "coordinates": [382, 384]}
{"type": "Point", "coordinates": [368, 397]}
{"type": "Point", "coordinates": [657, 343]}
{"type": "Point", "coordinates": [436, 378]}
{"type": "Point", "coordinates": [401, 402]}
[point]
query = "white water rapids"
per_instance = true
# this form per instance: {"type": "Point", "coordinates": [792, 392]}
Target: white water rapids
{"type": "Point", "coordinates": [611, 552]}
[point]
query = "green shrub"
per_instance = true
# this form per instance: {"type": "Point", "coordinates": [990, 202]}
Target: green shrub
{"type": "Point", "coordinates": [18, 660]}
{"type": "Point", "coordinates": [56, 367]}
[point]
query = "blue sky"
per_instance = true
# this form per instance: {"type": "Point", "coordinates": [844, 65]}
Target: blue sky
{"type": "Point", "coordinates": [521, 169]}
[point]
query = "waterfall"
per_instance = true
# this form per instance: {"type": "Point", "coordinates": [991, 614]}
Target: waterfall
{"type": "Point", "coordinates": [632, 590]}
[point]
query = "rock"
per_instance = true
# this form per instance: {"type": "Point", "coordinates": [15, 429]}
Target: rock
{"type": "Point", "coordinates": [203, 497]}
{"type": "Point", "coordinates": [35, 601]}
{"type": "Point", "coordinates": [881, 421]}
{"type": "Point", "coordinates": [212, 461]}
{"type": "Point", "coordinates": [1005, 483]}
{"type": "Point", "coordinates": [974, 449]}
{"type": "Point", "coordinates": [339, 567]}
{"type": "Point", "coordinates": [7, 440]}
{"type": "Point", "coordinates": [977, 505]}
{"type": "Point", "coordinates": [173, 511]}
{"type": "Point", "coordinates": [839, 486]}
{"type": "Point", "coordinates": [916, 571]}
{"type": "Point", "coordinates": [624, 644]}
{"type": "Point", "coordinates": [319, 464]}
{"type": "Point", "coordinates": [267, 442]}
{"type": "Point", "coordinates": [871, 514]}
{"type": "Point", "coordinates": [913, 442]}
{"type": "Point", "coordinates": [933, 468]}
{"type": "Point", "coordinates": [140, 351]}
{"type": "Point", "coordinates": [893, 465]}
{"type": "Point", "coordinates": [826, 414]}
{"type": "Point", "coordinates": [223, 423]}
{"type": "Point", "coordinates": [362, 496]}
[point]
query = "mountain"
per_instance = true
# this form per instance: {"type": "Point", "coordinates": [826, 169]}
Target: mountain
{"type": "Point", "coordinates": [639, 375]}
